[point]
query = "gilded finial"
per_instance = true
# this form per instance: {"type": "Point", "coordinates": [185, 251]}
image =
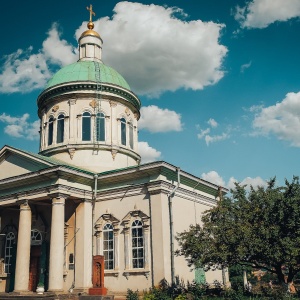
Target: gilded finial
{"type": "Point", "coordinates": [92, 13]}
{"type": "Point", "coordinates": [90, 24]}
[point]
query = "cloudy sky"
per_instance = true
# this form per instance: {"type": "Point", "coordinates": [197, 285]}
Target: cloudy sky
{"type": "Point", "coordinates": [219, 80]}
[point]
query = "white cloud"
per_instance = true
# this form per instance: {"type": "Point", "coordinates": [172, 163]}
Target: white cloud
{"type": "Point", "coordinates": [156, 51]}
{"type": "Point", "coordinates": [262, 13]}
{"type": "Point", "coordinates": [19, 127]}
{"type": "Point", "coordinates": [281, 119]}
{"type": "Point", "coordinates": [155, 119]}
{"type": "Point", "coordinates": [215, 138]}
{"type": "Point", "coordinates": [215, 178]}
{"type": "Point", "coordinates": [213, 123]}
{"type": "Point", "coordinates": [245, 66]}
{"type": "Point", "coordinates": [58, 51]}
{"type": "Point", "coordinates": [204, 133]}
{"type": "Point", "coordinates": [248, 181]}
{"type": "Point", "coordinates": [24, 71]}
{"type": "Point", "coordinates": [148, 153]}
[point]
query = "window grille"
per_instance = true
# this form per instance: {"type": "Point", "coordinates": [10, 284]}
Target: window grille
{"type": "Point", "coordinates": [36, 237]}
{"type": "Point", "coordinates": [108, 246]}
{"type": "Point", "coordinates": [137, 244]}
{"type": "Point", "coordinates": [9, 241]}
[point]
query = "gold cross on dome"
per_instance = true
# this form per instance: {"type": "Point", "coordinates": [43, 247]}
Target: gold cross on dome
{"type": "Point", "coordinates": [90, 9]}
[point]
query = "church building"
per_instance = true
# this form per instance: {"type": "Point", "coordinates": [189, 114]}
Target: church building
{"type": "Point", "coordinates": [86, 192]}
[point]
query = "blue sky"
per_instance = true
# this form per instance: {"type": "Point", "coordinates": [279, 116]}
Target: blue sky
{"type": "Point", "coordinates": [219, 80]}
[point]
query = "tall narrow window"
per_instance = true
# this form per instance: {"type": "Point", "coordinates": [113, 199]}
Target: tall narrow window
{"type": "Point", "coordinates": [60, 128]}
{"type": "Point", "coordinates": [108, 247]}
{"type": "Point", "coordinates": [137, 244]}
{"type": "Point", "coordinates": [131, 135]}
{"type": "Point", "coordinates": [100, 123]}
{"type": "Point", "coordinates": [123, 131]}
{"type": "Point", "coordinates": [9, 241]}
{"type": "Point", "coordinates": [50, 131]}
{"type": "Point", "coordinates": [86, 126]}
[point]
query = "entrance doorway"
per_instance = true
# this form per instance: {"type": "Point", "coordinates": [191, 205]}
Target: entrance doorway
{"type": "Point", "coordinates": [35, 258]}
{"type": "Point", "coordinates": [34, 267]}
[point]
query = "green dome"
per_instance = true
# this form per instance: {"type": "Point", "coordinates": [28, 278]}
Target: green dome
{"type": "Point", "coordinates": [85, 71]}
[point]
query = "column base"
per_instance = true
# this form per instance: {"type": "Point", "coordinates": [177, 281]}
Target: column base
{"type": "Point", "coordinates": [19, 292]}
{"type": "Point", "coordinates": [55, 291]}
{"type": "Point", "coordinates": [98, 291]}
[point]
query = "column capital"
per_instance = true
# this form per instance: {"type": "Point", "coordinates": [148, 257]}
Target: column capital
{"type": "Point", "coordinates": [56, 196]}
{"type": "Point", "coordinates": [24, 205]}
{"type": "Point", "coordinates": [72, 101]}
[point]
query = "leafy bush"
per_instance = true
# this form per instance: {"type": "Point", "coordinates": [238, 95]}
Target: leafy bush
{"type": "Point", "coordinates": [131, 295]}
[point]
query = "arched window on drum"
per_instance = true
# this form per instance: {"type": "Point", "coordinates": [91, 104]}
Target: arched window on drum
{"type": "Point", "coordinates": [60, 128]}
{"type": "Point", "coordinates": [100, 127]}
{"type": "Point", "coordinates": [50, 131]}
{"type": "Point", "coordinates": [123, 131]}
{"type": "Point", "coordinates": [86, 126]}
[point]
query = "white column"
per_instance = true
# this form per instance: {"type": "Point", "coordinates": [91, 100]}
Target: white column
{"type": "Point", "coordinates": [23, 249]}
{"type": "Point", "coordinates": [83, 250]}
{"type": "Point", "coordinates": [56, 263]}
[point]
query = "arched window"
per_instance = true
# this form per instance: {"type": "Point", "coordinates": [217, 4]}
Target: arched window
{"type": "Point", "coordinates": [50, 131]}
{"type": "Point", "coordinates": [100, 123]}
{"type": "Point", "coordinates": [36, 237]}
{"type": "Point", "coordinates": [137, 244]}
{"type": "Point", "coordinates": [130, 135]}
{"type": "Point", "coordinates": [86, 126]}
{"type": "Point", "coordinates": [123, 131]}
{"type": "Point", "coordinates": [60, 128]}
{"type": "Point", "coordinates": [9, 241]}
{"type": "Point", "coordinates": [108, 246]}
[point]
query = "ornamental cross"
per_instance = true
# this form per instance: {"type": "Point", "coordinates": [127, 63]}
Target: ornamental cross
{"type": "Point", "coordinates": [90, 9]}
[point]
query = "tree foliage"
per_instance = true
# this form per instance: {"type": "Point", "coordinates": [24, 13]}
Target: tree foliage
{"type": "Point", "coordinates": [259, 228]}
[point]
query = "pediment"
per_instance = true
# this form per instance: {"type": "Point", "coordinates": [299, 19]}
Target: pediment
{"type": "Point", "coordinates": [16, 162]}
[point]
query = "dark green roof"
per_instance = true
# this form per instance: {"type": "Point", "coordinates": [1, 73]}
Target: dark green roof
{"type": "Point", "coordinates": [86, 71]}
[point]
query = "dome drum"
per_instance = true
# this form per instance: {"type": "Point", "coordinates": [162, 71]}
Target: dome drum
{"type": "Point", "coordinates": [84, 89]}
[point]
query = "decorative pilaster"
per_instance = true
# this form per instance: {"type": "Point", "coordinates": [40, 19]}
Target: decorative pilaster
{"type": "Point", "coordinates": [146, 246]}
{"type": "Point", "coordinates": [23, 249]}
{"type": "Point", "coordinates": [126, 246]}
{"type": "Point", "coordinates": [56, 261]}
{"type": "Point", "coordinates": [116, 247]}
{"type": "Point", "coordinates": [113, 123]}
{"type": "Point", "coordinates": [98, 234]}
{"type": "Point", "coordinates": [72, 122]}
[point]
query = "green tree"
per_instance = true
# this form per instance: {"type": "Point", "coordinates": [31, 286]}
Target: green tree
{"type": "Point", "coordinates": [259, 228]}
